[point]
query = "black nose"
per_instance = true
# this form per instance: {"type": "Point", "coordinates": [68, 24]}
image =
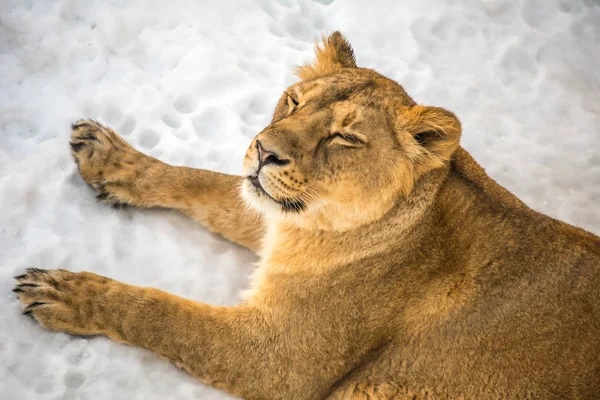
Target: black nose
{"type": "Point", "coordinates": [266, 157]}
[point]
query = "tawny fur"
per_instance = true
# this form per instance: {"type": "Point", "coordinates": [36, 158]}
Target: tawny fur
{"type": "Point", "coordinates": [391, 265]}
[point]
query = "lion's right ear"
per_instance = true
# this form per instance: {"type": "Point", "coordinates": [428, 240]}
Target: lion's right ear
{"type": "Point", "coordinates": [434, 135]}
{"type": "Point", "coordinates": [335, 54]}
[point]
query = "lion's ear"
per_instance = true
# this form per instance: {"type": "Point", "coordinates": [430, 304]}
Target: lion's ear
{"type": "Point", "coordinates": [435, 132]}
{"type": "Point", "coordinates": [335, 54]}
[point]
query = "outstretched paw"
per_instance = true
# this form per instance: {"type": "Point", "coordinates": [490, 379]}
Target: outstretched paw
{"type": "Point", "coordinates": [107, 162]}
{"type": "Point", "coordinates": [65, 301]}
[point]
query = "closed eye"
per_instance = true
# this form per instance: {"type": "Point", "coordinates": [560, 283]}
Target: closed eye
{"type": "Point", "coordinates": [292, 99]}
{"type": "Point", "coordinates": [346, 139]}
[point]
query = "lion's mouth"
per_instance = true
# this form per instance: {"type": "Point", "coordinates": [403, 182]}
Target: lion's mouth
{"type": "Point", "coordinates": [255, 182]}
{"type": "Point", "coordinates": [293, 205]}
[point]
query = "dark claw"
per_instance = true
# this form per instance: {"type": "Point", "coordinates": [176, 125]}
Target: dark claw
{"type": "Point", "coordinates": [102, 196]}
{"type": "Point", "coordinates": [79, 124]}
{"type": "Point", "coordinates": [20, 276]}
{"type": "Point", "coordinates": [24, 285]}
{"type": "Point", "coordinates": [36, 270]}
{"type": "Point", "coordinates": [90, 137]}
{"type": "Point", "coordinates": [19, 288]}
{"type": "Point", "coordinates": [33, 306]}
{"type": "Point", "coordinates": [28, 313]}
{"type": "Point", "coordinates": [76, 147]}
{"type": "Point", "coordinates": [119, 205]}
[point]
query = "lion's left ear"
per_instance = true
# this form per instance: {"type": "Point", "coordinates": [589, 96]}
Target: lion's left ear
{"type": "Point", "coordinates": [435, 132]}
{"type": "Point", "coordinates": [335, 54]}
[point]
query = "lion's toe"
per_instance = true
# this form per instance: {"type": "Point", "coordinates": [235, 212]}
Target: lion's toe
{"type": "Point", "coordinates": [105, 161]}
{"type": "Point", "coordinates": [87, 134]}
{"type": "Point", "coordinates": [60, 300]}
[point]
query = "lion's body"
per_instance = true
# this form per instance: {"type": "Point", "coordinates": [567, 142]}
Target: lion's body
{"type": "Point", "coordinates": [509, 307]}
{"type": "Point", "coordinates": [427, 282]}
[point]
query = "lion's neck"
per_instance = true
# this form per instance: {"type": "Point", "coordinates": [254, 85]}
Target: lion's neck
{"type": "Point", "coordinates": [287, 246]}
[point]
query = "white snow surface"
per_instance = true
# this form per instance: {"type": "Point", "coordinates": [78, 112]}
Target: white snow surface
{"type": "Point", "coordinates": [191, 82]}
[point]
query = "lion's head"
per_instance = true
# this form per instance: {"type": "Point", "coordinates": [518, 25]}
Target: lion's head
{"type": "Point", "coordinates": [344, 145]}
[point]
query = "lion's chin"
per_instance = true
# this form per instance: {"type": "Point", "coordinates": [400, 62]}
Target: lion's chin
{"type": "Point", "coordinates": [257, 197]}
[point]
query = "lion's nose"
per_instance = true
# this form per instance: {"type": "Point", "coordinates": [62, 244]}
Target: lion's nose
{"type": "Point", "coordinates": [266, 157]}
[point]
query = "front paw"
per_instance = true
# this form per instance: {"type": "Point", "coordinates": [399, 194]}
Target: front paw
{"type": "Point", "coordinates": [65, 301]}
{"type": "Point", "coordinates": [108, 163]}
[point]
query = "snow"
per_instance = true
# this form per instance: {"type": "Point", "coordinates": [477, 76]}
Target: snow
{"type": "Point", "coordinates": [192, 83]}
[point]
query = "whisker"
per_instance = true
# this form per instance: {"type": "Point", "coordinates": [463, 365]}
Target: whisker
{"type": "Point", "coordinates": [310, 193]}
{"type": "Point", "coordinates": [369, 102]}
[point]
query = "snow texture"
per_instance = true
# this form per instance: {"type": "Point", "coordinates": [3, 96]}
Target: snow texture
{"type": "Point", "coordinates": [191, 82]}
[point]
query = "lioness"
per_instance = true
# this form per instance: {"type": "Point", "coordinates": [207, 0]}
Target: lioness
{"type": "Point", "coordinates": [392, 266]}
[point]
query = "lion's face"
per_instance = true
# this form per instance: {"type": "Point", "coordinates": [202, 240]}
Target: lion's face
{"type": "Point", "coordinates": [344, 144]}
